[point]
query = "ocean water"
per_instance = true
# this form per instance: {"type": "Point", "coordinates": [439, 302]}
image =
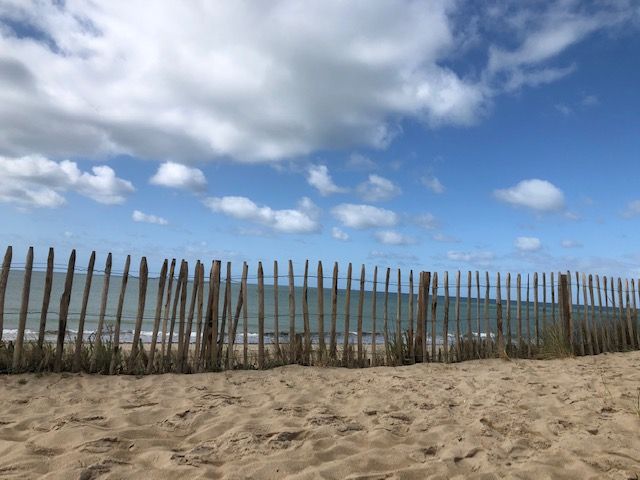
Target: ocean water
{"type": "Point", "coordinates": [16, 278]}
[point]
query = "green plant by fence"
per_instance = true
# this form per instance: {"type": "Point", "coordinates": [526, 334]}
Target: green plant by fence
{"type": "Point", "coordinates": [197, 325]}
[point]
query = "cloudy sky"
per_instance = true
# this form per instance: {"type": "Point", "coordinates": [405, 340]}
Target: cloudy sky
{"type": "Point", "coordinates": [438, 134]}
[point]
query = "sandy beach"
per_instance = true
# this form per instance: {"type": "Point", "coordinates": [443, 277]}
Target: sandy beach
{"type": "Point", "coordinates": [574, 418]}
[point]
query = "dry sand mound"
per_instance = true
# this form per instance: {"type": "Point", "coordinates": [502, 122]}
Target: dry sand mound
{"type": "Point", "coordinates": [575, 418]}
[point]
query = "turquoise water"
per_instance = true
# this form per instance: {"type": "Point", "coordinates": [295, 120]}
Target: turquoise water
{"type": "Point", "coordinates": [15, 283]}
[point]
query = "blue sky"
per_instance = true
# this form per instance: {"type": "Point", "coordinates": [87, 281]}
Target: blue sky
{"type": "Point", "coordinates": [445, 136]}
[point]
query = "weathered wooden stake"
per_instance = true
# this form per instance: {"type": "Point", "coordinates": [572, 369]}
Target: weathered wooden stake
{"type": "Point", "coordinates": [158, 314]}
{"type": "Point", "coordinates": [260, 317]}
{"type": "Point", "coordinates": [103, 308]}
{"type": "Point", "coordinates": [83, 313]}
{"type": "Point", "coordinates": [347, 314]}
{"type": "Point", "coordinates": [64, 310]}
{"type": "Point", "coordinates": [46, 297]}
{"type": "Point", "coordinates": [215, 310]}
{"type": "Point", "coordinates": [385, 317]}
{"type": "Point", "coordinates": [509, 337]}
{"type": "Point", "coordinates": [410, 340]}
{"type": "Point", "coordinates": [519, 311]}
{"type": "Point", "coordinates": [501, 350]}
{"type": "Point", "coordinates": [320, 288]}
{"type": "Point", "coordinates": [374, 334]}
{"type": "Point", "coordinates": [399, 321]}
{"type": "Point", "coordinates": [360, 314]}
{"type": "Point", "coordinates": [115, 354]}
{"type": "Point", "coordinates": [24, 309]}
{"type": "Point", "coordinates": [445, 324]}
{"type": "Point", "coordinates": [292, 316]}
{"type": "Point", "coordinates": [142, 298]}
{"type": "Point", "coordinates": [276, 311]}
{"type": "Point", "coordinates": [334, 312]}
{"type": "Point", "coordinates": [305, 314]}
{"type": "Point", "coordinates": [434, 317]}
{"type": "Point", "coordinates": [4, 277]}
{"type": "Point", "coordinates": [427, 284]}
{"type": "Point", "coordinates": [458, 349]}
{"type": "Point", "coordinates": [184, 358]}
{"type": "Point", "coordinates": [167, 307]}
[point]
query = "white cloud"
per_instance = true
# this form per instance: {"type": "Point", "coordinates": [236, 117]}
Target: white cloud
{"type": "Point", "coordinates": [433, 183]}
{"type": "Point", "coordinates": [571, 244]}
{"type": "Point", "coordinates": [176, 175]}
{"type": "Point", "coordinates": [476, 257]}
{"type": "Point", "coordinates": [318, 176]}
{"type": "Point", "coordinates": [590, 101]}
{"type": "Point", "coordinates": [357, 161]}
{"type": "Point", "coordinates": [528, 244]}
{"type": "Point", "coordinates": [441, 237]}
{"type": "Point", "coordinates": [198, 81]}
{"type": "Point", "coordinates": [36, 181]}
{"type": "Point", "coordinates": [138, 216]}
{"type": "Point", "coordinates": [427, 221]}
{"type": "Point", "coordinates": [186, 81]}
{"type": "Point", "coordinates": [539, 195]}
{"type": "Point", "coordinates": [303, 219]}
{"type": "Point", "coordinates": [391, 237]}
{"type": "Point", "coordinates": [339, 234]}
{"type": "Point", "coordinates": [364, 216]}
{"type": "Point", "coordinates": [377, 189]}
{"type": "Point", "coordinates": [632, 210]}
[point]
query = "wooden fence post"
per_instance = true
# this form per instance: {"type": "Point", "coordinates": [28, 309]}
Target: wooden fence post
{"type": "Point", "coordinates": [156, 321]}
{"type": "Point", "coordinates": [386, 317]}
{"type": "Point", "coordinates": [83, 313]}
{"type": "Point", "coordinates": [334, 312]}
{"type": "Point", "coordinates": [565, 310]}
{"type": "Point", "coordinates": [458, 349]}
{"type": "Point", "coordinates": [103, 309]}
{"type": "Point", "coordinates": [410, 341]}
{"type": "Point", "coordinates": [292, 317]}
{"type": "Point", "coordinates": [445, 324]}
{"type": "Point", "coordinates": [116, 334]}
{"type": "Point", "coordinates": [167, 307]}
{"type": "Point", "coordinates": [347, 313]}
{"type": "Point", "coordinates": [501, 350]}
{"type": "Point", "coordinates": [276, 310]}
{"type": "Point", "coordinates": [399, 321]}
{"type": "Point", "coordinates": [373, 317]}
{"type": "Point", "coordinates": [305, 315]}
{"type": "Point", "coordinates": [215, 311]}
{"type": "Point", "coordinates": [24, 309]}
{"type": "Point", "coordinates": [46, 297]}
{"type": "Point", "coordinates": [320, 288]}
{"type": "Point", "coordinates": [427, 284]}
{"type": "Point", "coordinates": [64, 310]}
{"type": "Point", "coordinates": [434, 317]}
{"type": "Point", "coordinates": [184, 358]}
{"type": "Point", "coordinates": [260, 317]}
{"type": "Point", "coordinates": [4, 277]}
{"type": "Point", "coordinates": [360, 314]}
{"type": "Point", "coordinates": [142, 299]}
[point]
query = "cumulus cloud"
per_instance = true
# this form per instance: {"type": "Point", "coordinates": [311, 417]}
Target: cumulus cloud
{"type": "Point", "coordinates": [391, 237]}
{"type": "Point", "coordinates": [200, 81]}
{"type": "Point", "coordinates": [186, 81]}
{"type": "Point", "coordinates": [377, 189]}
{"type": "Point", "coordinates": [364, 216]}
{"type": "Point", "coordinates": [318, 177]}
{"type": "Point", "coordinates": [339, 234]}
{"type": "Point", "coordinates": [36, 181]}
{"type": "Point", "coordinates": [176, 175]}
{"type": "Point", "coordinates": [528, 244]}
{"type": "Point", "coordinates": [303, 219]}
{"type": "Point", "coordinates": [433, 183]}
{"type": "Point", "coordinates": [538, 195]}
{"type": "Point", "coordinates": [632, 210]}
{"type": "Point", "coordinates": [475, 257]}
{"type": "Point", "coordinates": [138, 216]}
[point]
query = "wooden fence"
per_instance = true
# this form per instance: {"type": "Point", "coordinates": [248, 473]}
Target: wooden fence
{"type": "Point", "coordinates": [195, 323]}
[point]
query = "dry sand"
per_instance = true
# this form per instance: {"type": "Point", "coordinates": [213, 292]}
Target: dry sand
{"type": "Point", "coordinates": [573, 418]}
